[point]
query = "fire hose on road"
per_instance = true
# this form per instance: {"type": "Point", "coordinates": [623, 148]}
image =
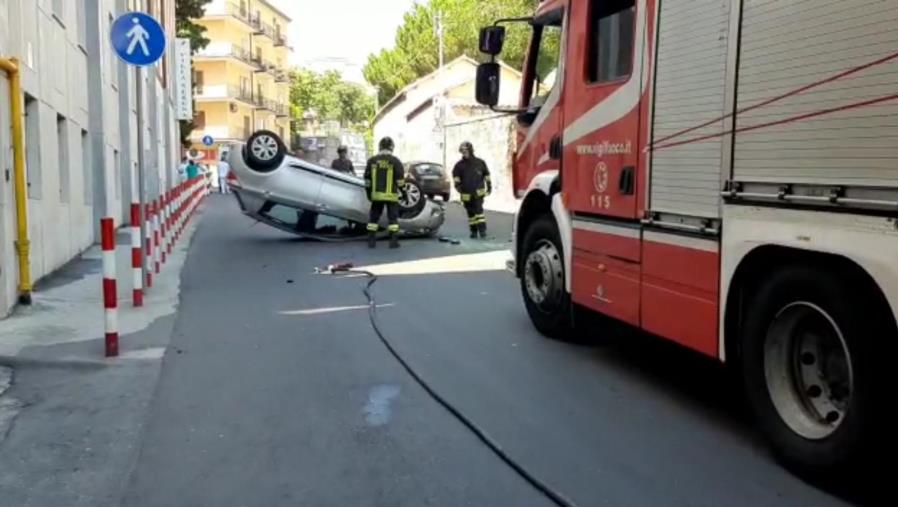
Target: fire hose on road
{"type": "Point", "coordinates": [554, 496]}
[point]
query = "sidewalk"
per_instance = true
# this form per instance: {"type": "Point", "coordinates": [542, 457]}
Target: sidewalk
{"type": "Point", "coordinates": [70, 419]}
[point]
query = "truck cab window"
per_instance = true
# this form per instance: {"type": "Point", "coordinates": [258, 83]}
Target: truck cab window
{"type": "Point", "coordinates": [611, 27]}
{"type": "Point", "coordinates": [545, 73]}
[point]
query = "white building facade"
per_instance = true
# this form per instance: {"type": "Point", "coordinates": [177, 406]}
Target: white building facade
{"type": "Point", "coordinates": [80, 123]}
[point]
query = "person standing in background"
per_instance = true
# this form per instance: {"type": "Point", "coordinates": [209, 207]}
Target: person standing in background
{"type": "Point", "coordinates": [224, 169]}
{"type": "Point", "coordinates": [472, 182]}
{"type": "Point", "coordinates": [342, 162]}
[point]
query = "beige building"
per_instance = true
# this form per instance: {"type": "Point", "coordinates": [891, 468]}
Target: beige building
{"type": "Point", "coordinates": [241, 78]}
{"type": "Point", "coordinates": [430, 117]}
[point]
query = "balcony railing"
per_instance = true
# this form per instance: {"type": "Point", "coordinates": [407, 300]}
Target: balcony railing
{"type": "Point", "coordinates": [278, 108]}
{"type": "Point", "coordinates": [226, 50]}
{"type": "Point", "coordinates": [281, 76]}
{"type": "Point", "coordinates": [230, 8]}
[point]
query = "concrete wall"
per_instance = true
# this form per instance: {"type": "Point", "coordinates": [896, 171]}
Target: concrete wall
{"type": "Point", "coordinates": [81, 129]}
{"type": "Point", "coordinates": [493, 138]}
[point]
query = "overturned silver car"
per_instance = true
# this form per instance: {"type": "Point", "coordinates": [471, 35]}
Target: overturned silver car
{"type": "Point", "coordinates": [302, 198]}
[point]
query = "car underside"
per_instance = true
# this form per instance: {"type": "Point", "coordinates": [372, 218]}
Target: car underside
{"type": "Point", "coordinates": [293, 195]}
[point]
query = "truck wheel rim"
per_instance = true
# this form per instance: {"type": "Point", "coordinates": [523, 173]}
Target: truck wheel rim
{"type": "Point", "coordinates": [544, 276]}
{"type": "Point", "coordinates": [410, 197]}
{"type": "Point", "coordinates": [807, 366]}
{"type": "Point", "coordinates": [265, 148]}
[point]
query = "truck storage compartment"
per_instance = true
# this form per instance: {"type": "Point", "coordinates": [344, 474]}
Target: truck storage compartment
{"type": "Point", "coordinates": [689, 106]}
{"type": "Point", "coordinates": [606, 285]}
{"type": "Point", "coordinates": [818, 93]}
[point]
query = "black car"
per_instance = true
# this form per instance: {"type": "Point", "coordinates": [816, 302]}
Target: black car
{"type": "Point", "coordinates": [431, 177]}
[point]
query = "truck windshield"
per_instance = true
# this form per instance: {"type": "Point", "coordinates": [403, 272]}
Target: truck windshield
{"type": "Point", "coordinates": [547, 40]}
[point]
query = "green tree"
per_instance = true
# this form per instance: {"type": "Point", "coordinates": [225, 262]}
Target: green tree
{"type": "Point", "coordinates": [186, 12]}
{"type": "Point", "coordinates": [330, 97]}
{"type": "Point", "coordinates": [416, 51]}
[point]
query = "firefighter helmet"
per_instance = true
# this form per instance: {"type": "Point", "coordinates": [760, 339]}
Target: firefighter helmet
{"type": "Point", "coordinates": [342, 149]}
{"type": "Point", "coordinates": [386, 144]}
{"type": "Point", "coordinates": [466, 146]}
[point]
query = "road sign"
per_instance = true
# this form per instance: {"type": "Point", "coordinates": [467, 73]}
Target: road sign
{"type": "Point", "coordinates": [183, 80]}
{"type": "Point", "coordinates": [137, 38]}
{"type": "Point", "coordinates": [208, 140]}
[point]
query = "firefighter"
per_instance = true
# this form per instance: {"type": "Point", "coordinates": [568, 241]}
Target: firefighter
{"type": "Point", "coordinates": [384, 180]}
{"type": "Point", "coordinates": [342, 162]}
{"type": "Point", "coordinates": [472, 182]}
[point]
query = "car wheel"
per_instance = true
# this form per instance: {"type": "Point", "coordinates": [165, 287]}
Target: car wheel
{"type": "Point", "coordinates": [814, 370]}
{"type": "Point", "coordinates": [445, 197]}
{"type": "Point", "coordinates": [412, 200]}
{"type": "Point", "coordinates": [264, 151]}
{"type": "Point", "coordinates": [542, 280]}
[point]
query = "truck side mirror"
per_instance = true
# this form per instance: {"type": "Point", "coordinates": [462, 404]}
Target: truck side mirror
{"type": "Point", "coordinates": [492, 38]}
{"type": "Point", "coordinates": [488, 78]}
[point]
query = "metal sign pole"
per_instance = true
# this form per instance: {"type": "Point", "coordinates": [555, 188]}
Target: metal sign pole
{"type": "Point", "coordinates": [141, 179]}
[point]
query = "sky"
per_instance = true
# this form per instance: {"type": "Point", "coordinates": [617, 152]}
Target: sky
{"type": "Point", "coordinates": [340, 34]}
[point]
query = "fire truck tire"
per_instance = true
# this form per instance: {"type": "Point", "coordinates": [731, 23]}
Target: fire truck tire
{"type": "Point", "coordinates": [542, 280]}
{"type": "Point", "coordinates": [812, 362]}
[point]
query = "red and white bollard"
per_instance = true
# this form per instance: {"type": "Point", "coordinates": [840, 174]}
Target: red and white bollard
{"type": "Point", "coordinates": [136, 256]}
{"type": "Point", "coordinates": [110, 295]}
{"type": "Point", "coordinates": [169, 199]}
{"type": "Point", "coordinates": [148, 247]}
{"type": "Point", "coordinates": [156, 257]}
{"type": "Point", "coordinates": [163, 217]}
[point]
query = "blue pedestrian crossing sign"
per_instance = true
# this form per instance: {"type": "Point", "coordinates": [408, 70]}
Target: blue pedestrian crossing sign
{"type": "Point", "coordinates": [137, 38]}
{"type": "Point", "coordinates": [208, 141]}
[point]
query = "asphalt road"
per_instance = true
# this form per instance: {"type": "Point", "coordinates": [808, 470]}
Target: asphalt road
{"type": "Point", "coordinates": [276, 391]}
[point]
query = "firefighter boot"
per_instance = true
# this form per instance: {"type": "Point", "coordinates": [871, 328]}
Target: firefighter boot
{"type": "Point", "coordinates": [482, 227]}
{"type": "Point", "coordinates": [372, 239]}
{"type": "Point", "coordinates": [394, 240]}
{"type": "Point", "coordinates": [473, 232]}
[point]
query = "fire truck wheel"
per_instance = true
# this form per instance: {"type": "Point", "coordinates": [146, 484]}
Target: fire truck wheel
{"type": "Point", "coordinates": [812, 362]}
{"type": "Point", "coordinates": [264, 151]}
{"type": "Point", "coordinates": [542, 279]}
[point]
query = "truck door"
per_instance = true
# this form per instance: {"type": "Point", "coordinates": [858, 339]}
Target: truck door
{"type": "Point", "coordinates": [603, 90]}
{"type": "Point", "coordinates": [541, 96]}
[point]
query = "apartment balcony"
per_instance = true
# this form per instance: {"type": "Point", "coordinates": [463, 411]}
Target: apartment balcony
{"type": "Point", "coordinates": [280, 109]}
{"type": "Point", "coordinates": [281, 76]}
{"type": "Point", "coordinates": [218, 50]}
{"type": "Point", "coordinates": [223, 8]}
{"type": "Point", "coordinates": [217, 93]}
{"type": "Point", "coordinates": [219, 133]}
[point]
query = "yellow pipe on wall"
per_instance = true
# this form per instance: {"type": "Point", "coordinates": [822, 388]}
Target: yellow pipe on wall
{"type": "Point", "coordinates": [23, 245]}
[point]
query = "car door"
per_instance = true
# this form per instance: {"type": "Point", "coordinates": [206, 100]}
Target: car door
{"type": "Point", "coordinates": [343, 196]}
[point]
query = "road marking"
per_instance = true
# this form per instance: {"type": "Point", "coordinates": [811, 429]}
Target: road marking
{"type": "Point", "coordinates": [143, 354]}
{"type": "Point", "coordinates": [463, 263]}
{"type": "Point", "coordinates": [332, 309]}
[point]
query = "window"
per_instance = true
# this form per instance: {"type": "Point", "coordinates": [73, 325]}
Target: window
{"type": "Point", "coordinates": [246, 126]}
{"type": "Point", "coordinates": [32, 147]}
{"type": "Point", "coordinates": [199, 80]}
{"type": "Point", "coordinates": [59, 10]}
{"type": "Point", "coordinates": [87, 167]}
{"type": "Point", "coordinates": [82, 28]}
{"type": "Point", "coordinates": [544, 63]}
{"type": "Point", "coordinates": [117, 173]}
{"type": "Point", "coordinates": [610, 51]}
{"type": "Point", "coordinates": [114, 62]}
{"type": "Point", "coordinates": [62, 156]}
{"type": "Point", "coordinates": [200, 120]}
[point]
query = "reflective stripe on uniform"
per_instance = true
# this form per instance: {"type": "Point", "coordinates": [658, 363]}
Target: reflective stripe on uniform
{"type": "Point", "coordinates": [393, 228]}
{"type": "Point", "coordinates": [465, 197]}
{"type": "Point", "coordinates": [384, 197]}
{"type": "Point", "coordinates": [372, 227]}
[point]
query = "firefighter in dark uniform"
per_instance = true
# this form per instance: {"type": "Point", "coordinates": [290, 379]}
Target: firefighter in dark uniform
{"type": "Point", "coordinates": [384, 180]}
{"type": "Point", "coordinates": [472, 182]}
{"type": "Point", "coordinates": [342, 162]}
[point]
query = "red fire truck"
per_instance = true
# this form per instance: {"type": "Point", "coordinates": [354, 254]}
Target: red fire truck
{"type": "Point", "coordinates": [723, 174]}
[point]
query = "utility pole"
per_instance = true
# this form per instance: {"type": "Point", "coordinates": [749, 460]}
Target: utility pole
{"type": "Point", "coordinates": [439, 31]}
